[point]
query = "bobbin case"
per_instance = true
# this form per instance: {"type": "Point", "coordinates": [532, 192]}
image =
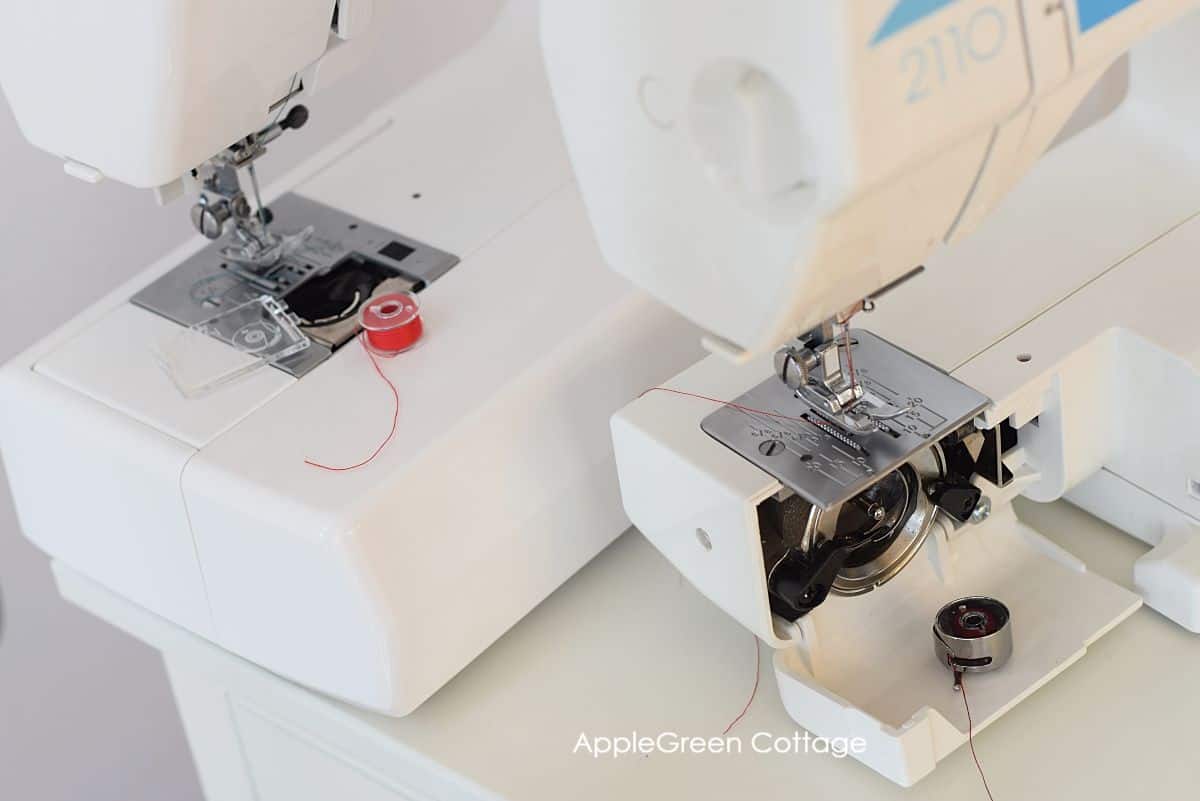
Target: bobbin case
{"type": "Point", "coordinates": [973, 634]}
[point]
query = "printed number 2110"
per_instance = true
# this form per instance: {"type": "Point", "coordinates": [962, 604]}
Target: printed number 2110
{"type": "Point", "coordinates": [950, 54]}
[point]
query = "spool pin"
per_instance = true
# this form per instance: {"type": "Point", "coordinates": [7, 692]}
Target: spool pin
{"type": "Point", "coordinates": [392, 322]}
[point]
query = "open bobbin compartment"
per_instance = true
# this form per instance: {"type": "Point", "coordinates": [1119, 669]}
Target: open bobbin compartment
{"type": "Point", "coordinates": [865, 666]}
{"type": "Point", "coordinates": [856, 665]}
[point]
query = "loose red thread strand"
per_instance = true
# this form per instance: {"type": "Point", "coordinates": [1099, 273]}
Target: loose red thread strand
{"type": "Point", "coordinates": [396, 414]}
{"type": "Point", "coordinates": [757, 650]}
{"type": "Point", "coordinates": [962, 686]}
{"type": "Point", "coordinates": [848, 345]}
{"type": "Point", "coordinates": [395, 418]}
{"type": "Point", "coordinates": [753, 692]}
{"type": "Point", "coordinates": [392, 433]}
{"type": "Point", "coordinates": [730, 404]}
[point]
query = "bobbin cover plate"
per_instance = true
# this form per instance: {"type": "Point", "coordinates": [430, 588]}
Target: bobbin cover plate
{"type": "Point", "coordinates": [218, 350]}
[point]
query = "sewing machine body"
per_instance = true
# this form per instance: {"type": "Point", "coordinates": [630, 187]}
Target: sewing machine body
{"type": "Point", "coordinates": [376, 585]}
{"type": "Point", "coordinates": [1068, 315]}
{"type": "Point", "coordinates": [1077, 322]}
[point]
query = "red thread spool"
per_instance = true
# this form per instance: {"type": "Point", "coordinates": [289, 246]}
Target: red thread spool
{"type": "Point", "coordinates": [392, 322]}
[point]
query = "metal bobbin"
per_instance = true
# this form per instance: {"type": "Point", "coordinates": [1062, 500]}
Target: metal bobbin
{"type": "Point", "coordinates": [973, 635]}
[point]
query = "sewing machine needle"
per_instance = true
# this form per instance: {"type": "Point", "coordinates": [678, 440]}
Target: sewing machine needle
{"type": "Point", "coordinates": [257, 196]}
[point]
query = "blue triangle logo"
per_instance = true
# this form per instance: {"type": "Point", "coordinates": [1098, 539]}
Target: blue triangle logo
{"type": "Point", "coordinates": [906, 13]}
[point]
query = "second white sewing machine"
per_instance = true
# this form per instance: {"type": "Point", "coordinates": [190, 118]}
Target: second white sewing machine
{"type": "Point", "coordinates": [838, 476]}
{"type": "Point", "coordinates": [902, 342]}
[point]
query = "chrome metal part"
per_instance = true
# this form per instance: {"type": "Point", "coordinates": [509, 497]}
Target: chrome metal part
{"type": "Point", "coordinates": [223, 205]}
{"type": "Point", "coordinates": [224, 209]}
{"type": "Point", "coordinates": [906, 521]}
{"type": "Point", "coordinates": [824, 459]}
{"type": "Point", "coordinates": [793, 365]}
{"type": "Point", "coordinates": [209, 218]}
{"type": "Point", "coordinates": [208, 282]}
{"type": "Point", "coordinates": [973, 635]}
{"type": "Point", "coordinates": [983, 510]}
{"type": "Point", "coordinates": [820, 367]}
{"type": "Point", "coordinates": [852, 548]}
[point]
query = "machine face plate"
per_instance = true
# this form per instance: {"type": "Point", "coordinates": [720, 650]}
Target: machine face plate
{"type": "Point", "coordinates": [826, 463]}
{"type": "Point", "coordinates": [203, 285]}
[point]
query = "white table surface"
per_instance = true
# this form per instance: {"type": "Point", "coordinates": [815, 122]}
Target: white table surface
{"type": "Point", "coordinates": [627, 645]}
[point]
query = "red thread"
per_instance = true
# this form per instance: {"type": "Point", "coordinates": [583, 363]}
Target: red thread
{"type": "Point", "coordinates": [392, 322]}
{"type": "Point", "coordinates": [849, 355]}
{"type": "Point", "coordinates": [732, 405]}
{"type": "Point", "coordinates": [398, 339]}
{"type": "Point", "coordinates": [962, 686]}
{"type": "Point", "coordinates": [754, 692]}
{"type": "Point", "coordinates": [395, 418]}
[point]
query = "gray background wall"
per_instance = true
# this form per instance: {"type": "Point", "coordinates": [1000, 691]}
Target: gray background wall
{"type": "Point", "coordinates": [85, 711]}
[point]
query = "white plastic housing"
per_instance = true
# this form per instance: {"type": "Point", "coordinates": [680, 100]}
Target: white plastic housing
{"type": "Point", "coordinates": [1072, 308]}
{"type": "Point", "coordinates": [760, 165]}
{"type": "Point", "coordinates": [142, 91]}
{"type": "Point", "coordinates": [864, 666]}
{"type": "Point", "coordinates": [376, 585]}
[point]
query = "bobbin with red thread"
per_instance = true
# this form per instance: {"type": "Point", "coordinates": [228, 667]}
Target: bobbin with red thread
{"type": "Point", "coordinates": [392, 322]}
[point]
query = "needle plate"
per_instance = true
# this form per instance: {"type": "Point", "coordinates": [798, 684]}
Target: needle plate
{"type": "Point", "coordinates": [826, 463]}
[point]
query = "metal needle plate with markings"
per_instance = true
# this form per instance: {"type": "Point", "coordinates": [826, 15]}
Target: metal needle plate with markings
{"type": "Point", "coordinates": [828, 464]}
{"type": "Point", "coordinates": [202, 285]}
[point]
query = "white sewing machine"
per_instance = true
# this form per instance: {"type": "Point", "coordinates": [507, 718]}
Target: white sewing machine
{"type": "Point", "coordinates": [784, 166]}
{"type": "Point", "coordinates": [375, 585]}
{"type": "Point", "coordinates": [765, 168]}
